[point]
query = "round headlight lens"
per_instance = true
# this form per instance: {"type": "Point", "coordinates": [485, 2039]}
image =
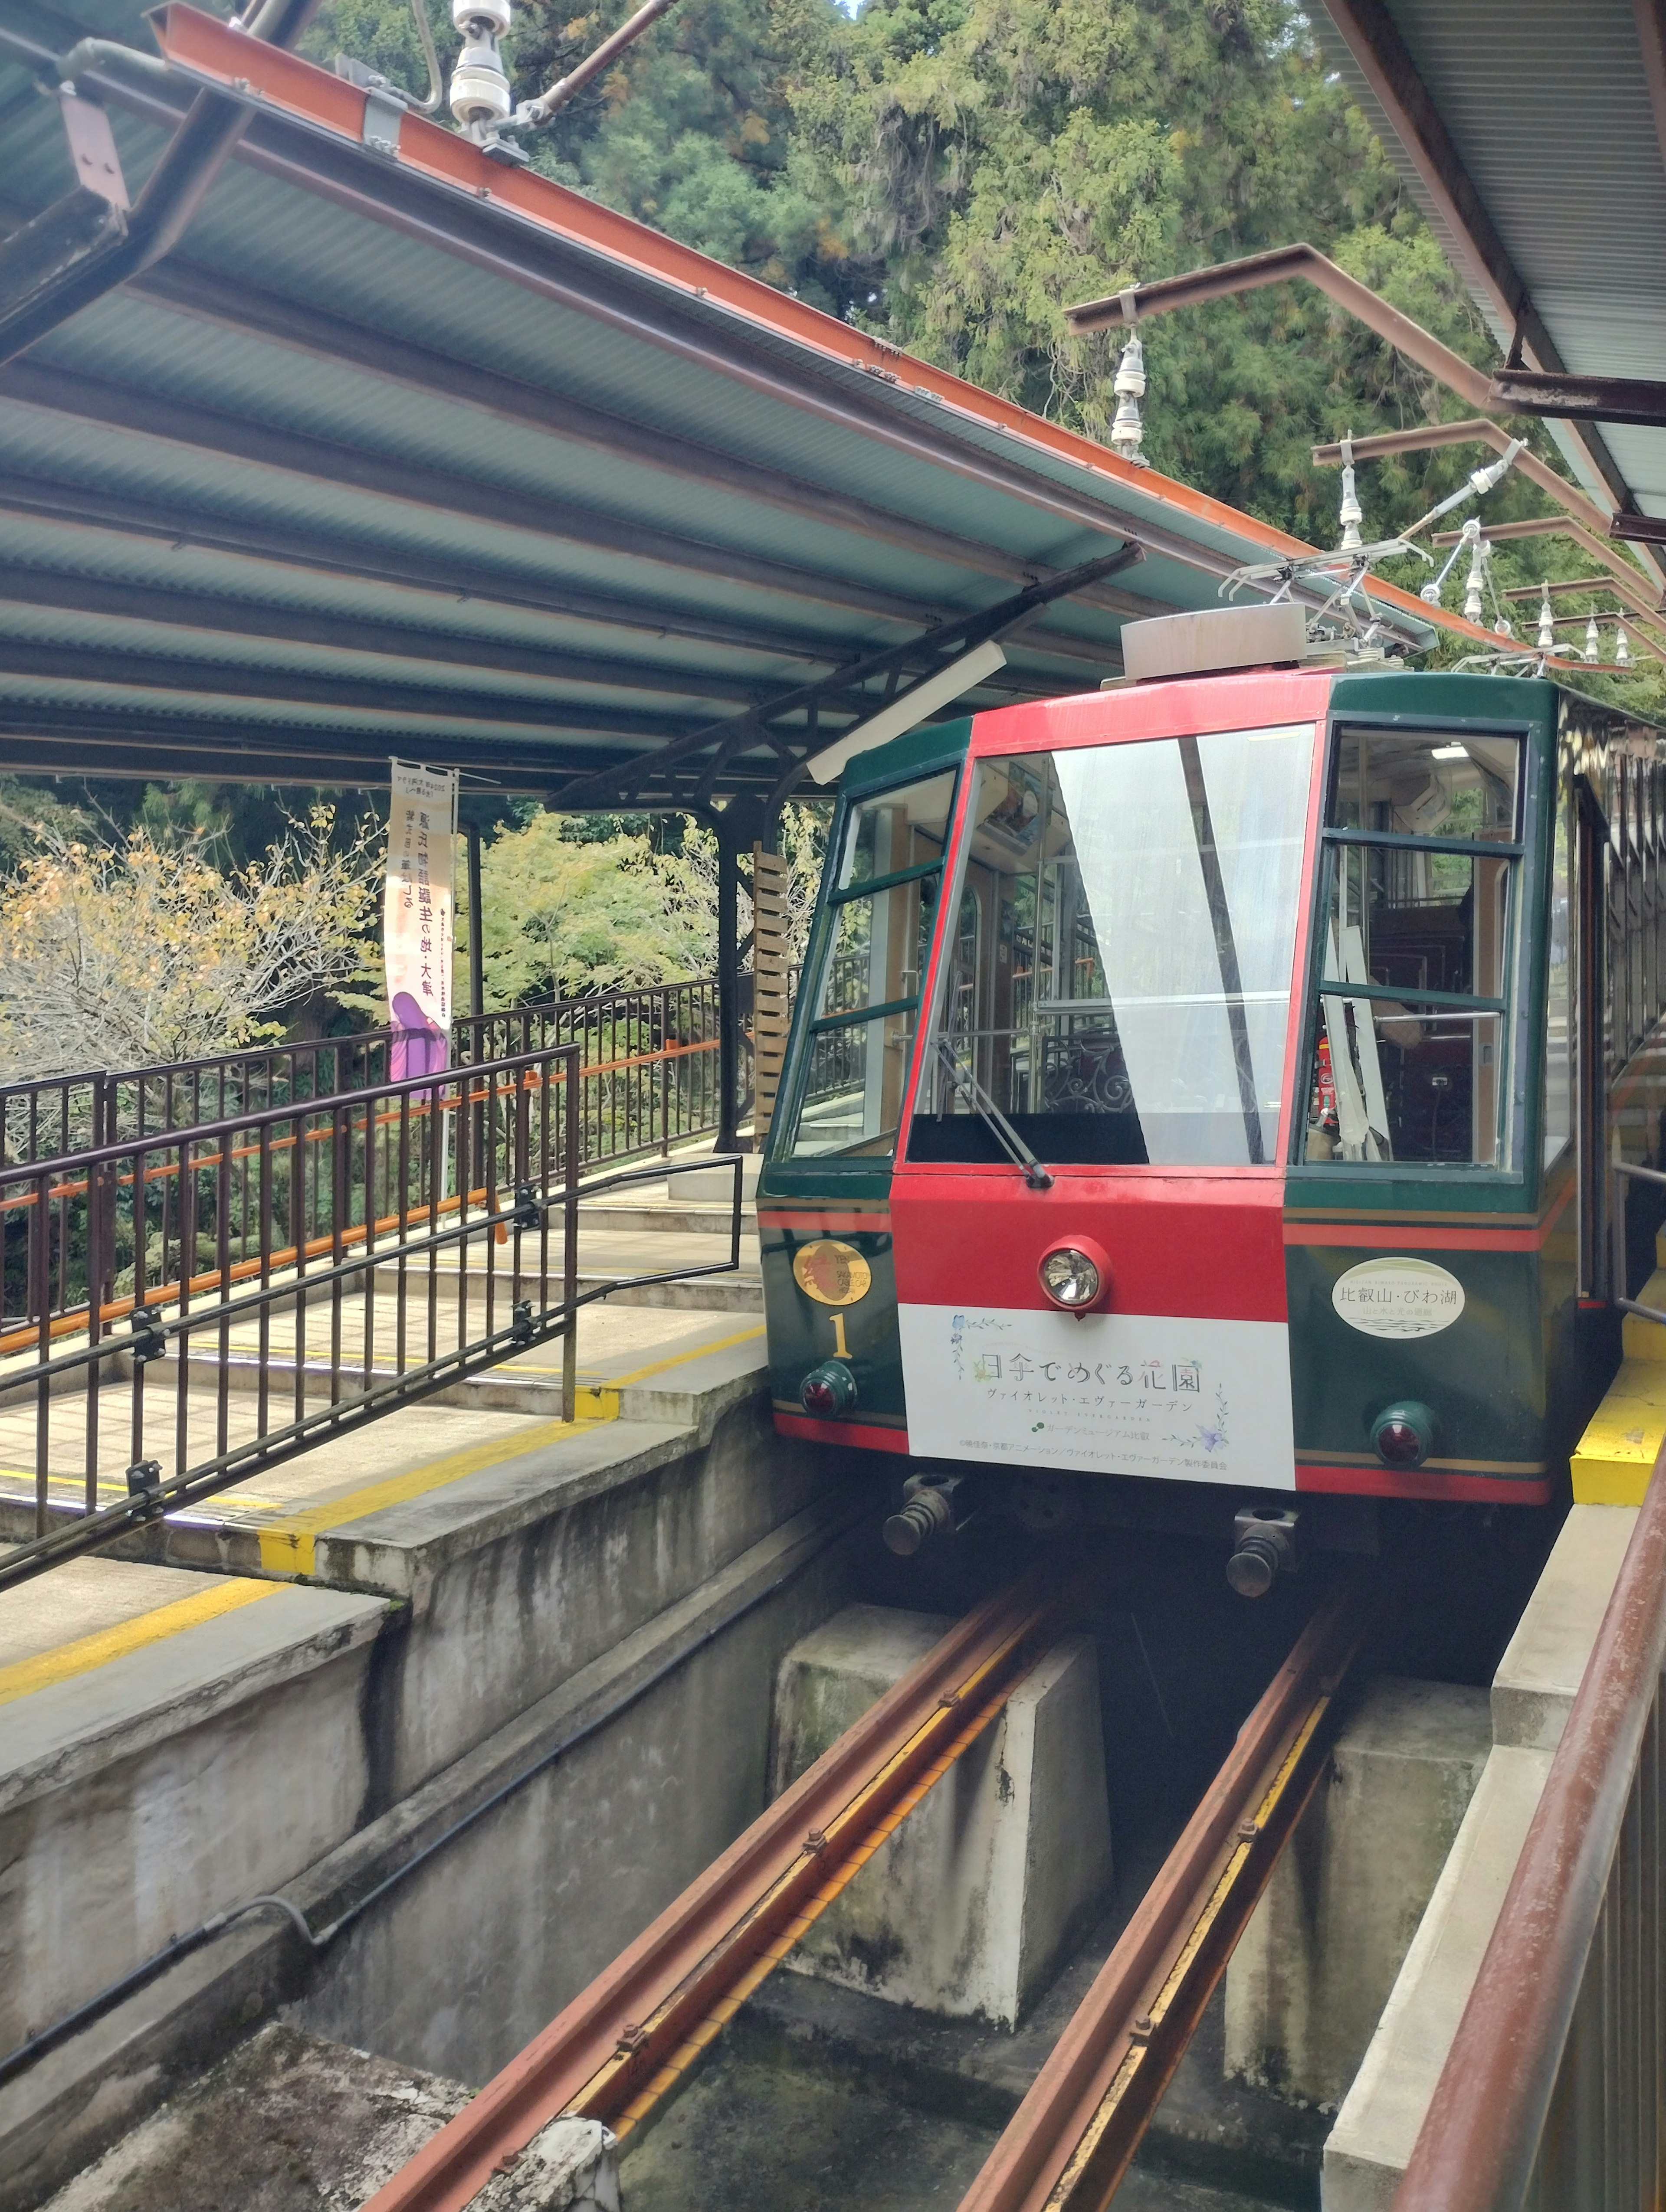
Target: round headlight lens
{"type": "Point", "coordinates": [1404, 1435]}
{"type": "Point", "coordinates": [1070, 1278]}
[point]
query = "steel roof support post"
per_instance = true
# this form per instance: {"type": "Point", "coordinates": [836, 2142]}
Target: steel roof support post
{"type": "Point", "coordinates": [728, 982]}
{"type": "Point", "coordinates": [736, 826]}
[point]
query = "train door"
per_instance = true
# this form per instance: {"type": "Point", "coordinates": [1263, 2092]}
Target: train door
{"type": "Point", "coordinates": [1103, 1079]}
{"type": "Point", "coordinates": [1590, 838]}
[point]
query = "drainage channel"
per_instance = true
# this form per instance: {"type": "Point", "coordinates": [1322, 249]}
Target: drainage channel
{"type": "Point", "coordinates": [628, 2040]}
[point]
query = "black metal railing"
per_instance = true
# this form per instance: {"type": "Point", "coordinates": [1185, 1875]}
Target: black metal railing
{"type": "Point", "coordinates": [648, 1080]}
{"type": "Point", "coordinates": [649, 1053]}
{"type": "Point", "coordinates": [352, 1253]}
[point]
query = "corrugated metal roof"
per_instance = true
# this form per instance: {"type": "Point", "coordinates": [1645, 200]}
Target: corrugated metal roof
{"type": "Point", "coordinates": [1547, 106]}
{"type": "Point", "coordinates": [381, 442]}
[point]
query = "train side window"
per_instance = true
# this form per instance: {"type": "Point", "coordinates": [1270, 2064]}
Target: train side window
{"type": "Point", "coordinates": [1416, 921]}
{"type": "Point", "coordinates": [881, 900]}
{"type": "Point", "coordinates": [1558, 996]}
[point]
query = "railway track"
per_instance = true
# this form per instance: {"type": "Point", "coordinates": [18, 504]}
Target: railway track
{"type": "Point", "coordinates": [1073, 2138]}
{"type": "Point", "coordinates": [626, 2040]}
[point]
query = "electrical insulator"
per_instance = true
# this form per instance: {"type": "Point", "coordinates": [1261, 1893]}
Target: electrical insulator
{"type": "Point", "coordinates": [1593, 640]}
{"type": "Point", "coordinates": [480, 94]}
{"type": "Point", "coordinates": [1547, 623]}
{"type": "Point", "coordinates": [1474, 582]}
{"type": "Point", "coordinates": [1351, 514]}
{"type": "Point", "coordinates": [1129, 387]}
{"type": "Point", "coordinates": [1622, 646]}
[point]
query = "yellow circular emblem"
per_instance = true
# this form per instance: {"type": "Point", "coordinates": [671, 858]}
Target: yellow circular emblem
{"type": "Point", "coordinates": [832, 1273]}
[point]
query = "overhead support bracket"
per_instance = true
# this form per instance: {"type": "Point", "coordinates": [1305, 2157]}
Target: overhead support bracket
{"type": "Point", "coordinates": [64, 243]}
{"type": "Point", "coordinates": [1579, 398]}
{"type": "Point", "coordinates": [683, 774]}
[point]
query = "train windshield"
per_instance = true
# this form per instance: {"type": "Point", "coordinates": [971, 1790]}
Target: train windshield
{"type": "Point", "coordinates": [1116, 979]}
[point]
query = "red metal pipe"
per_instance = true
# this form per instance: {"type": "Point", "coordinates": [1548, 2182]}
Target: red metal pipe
{"type": "Point", "coordinates": [1480, 2138]}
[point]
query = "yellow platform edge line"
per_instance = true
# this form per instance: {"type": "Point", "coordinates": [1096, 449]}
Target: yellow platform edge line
{"type": "Point", "coordinates": [288, 1547]}
{"type": "Point", "coordinates": [25, 1676]}
{"type": "Point", "coordinates": [1614, 1459]}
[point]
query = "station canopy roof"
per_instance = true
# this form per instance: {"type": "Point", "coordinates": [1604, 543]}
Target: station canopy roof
{"type": "Point", "coordinates": [1532, 133]}
{"type": "Point", "coordinates": [414, 453]}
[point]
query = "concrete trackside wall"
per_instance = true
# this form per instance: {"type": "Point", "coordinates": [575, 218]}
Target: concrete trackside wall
{"type": "Point", "coordinates": [519, 1577]}
{"type": "Point", "coordinates": [309, 1738]}
{"type": "Point", "coordinates": [462, 1965]}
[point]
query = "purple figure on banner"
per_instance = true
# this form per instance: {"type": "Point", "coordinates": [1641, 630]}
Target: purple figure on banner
{"type": "Point", "coordinates": [419, 1046]}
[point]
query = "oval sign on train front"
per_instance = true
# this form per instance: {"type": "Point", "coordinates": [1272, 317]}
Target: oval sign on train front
{"type": "Point", "coordinates": [1398, 1298]}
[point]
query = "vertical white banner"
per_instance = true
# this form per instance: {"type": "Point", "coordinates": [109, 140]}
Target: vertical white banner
{"type": "Point", "coordinates": [418, 910]}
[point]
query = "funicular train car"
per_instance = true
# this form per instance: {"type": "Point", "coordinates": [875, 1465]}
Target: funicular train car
{"type": "Point", "coordinates": [1218, 1081]}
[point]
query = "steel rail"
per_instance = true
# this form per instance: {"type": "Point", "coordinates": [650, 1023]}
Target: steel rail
{"type": "Point", "coordinates": [1480, 2137]}
{"type": "Point", "coordinates": [626, 2040]}
{"type": "Point", "coordinates": [1072, 2140]}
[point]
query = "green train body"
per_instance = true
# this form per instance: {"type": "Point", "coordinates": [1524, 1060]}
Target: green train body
{"type": "Point", "coordinates": [1309, 1009]}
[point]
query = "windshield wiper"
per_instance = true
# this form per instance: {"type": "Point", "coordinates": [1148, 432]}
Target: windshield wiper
{"type": "Point", "coordinates": [985, 1107]}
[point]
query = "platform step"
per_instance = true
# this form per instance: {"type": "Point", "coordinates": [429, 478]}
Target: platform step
{"type": "Point", "coordinates": [689, 1220]}
{"type": "Point", "coordinates": [1615, 1458]}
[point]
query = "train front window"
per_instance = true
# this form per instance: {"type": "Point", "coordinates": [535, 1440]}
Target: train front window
{"type": "Point", "coordinates": [1117, 980]}
{"type": "Point", "coordinates": [881, 899]}
{"type": "Point", "coordinates": [1416, 922]}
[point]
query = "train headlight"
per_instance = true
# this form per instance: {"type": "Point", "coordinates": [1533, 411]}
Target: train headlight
{"type": "Point", "coordinates": [1403, 1435]}
{"type": "Point", "coordinates": [828, 1390]}
{"type": "Point", "coordinates": [1074, 1277]}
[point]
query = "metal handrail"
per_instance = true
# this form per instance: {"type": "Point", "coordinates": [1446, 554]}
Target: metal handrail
{"type": "Point", "coordinates": [187, 1079]}
{"type": "Point", "coordinates": [1483, 2134]}
{"type": "Point", "coordinates": [379, 1208]}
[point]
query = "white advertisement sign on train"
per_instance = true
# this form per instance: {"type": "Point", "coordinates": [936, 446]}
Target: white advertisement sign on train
{"type": "Point", "coordinates": [1109, 1394]}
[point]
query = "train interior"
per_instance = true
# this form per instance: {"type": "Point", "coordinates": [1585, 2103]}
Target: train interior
{"type": "Point", "coordinates": [1412, 925]}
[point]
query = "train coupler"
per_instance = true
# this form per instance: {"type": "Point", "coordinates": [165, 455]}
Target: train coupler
{"type": "Point", "coordinates": [1266, 1541]}
{"type": "Point", "coordinates": [928, 1511]}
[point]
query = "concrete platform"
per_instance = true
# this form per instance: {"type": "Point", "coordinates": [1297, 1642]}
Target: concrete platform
{"type": "Point", "coordinates": [173, 1741]}
{"type": "Point", "coordinates": [1612, 1461]}
{"type": "Point", "coordinates": [166, 1759]}
{"type": "Point", "coordinates": [640, 1365]}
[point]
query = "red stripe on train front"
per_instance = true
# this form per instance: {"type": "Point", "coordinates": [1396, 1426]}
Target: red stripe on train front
{"type": "Point", "coordinates": [1206, 1247]}
{"type": "Point", "coordinates": [841, 1432]}
{"type": "Point", "coordinates": [1427, 1483]}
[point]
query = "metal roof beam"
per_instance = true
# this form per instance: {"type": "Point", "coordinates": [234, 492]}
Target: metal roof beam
{"type": "Point", "coordinates": [1581, 398]}
{"type": "Point", "coordinates": [63, 739]}
{"type": "Point", "coordinates": [1480, 432]}
{"type": "Point", "coordinates": [56, 391]}
{"type": "Point", "coordinates": [248, 618]}
{"type": "Point", "coordinates": [724, 741]}
{"type": "Point", "coordinates": [190, 289]}
{"type": "Point", "coordinates": [81, 506]}
{"type": "Point", "coordinates": [1383, 57]}
{"type": "Point", "coordinates": [410, 702]}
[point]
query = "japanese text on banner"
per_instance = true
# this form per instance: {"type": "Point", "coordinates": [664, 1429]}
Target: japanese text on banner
{"type": "Point", "coordinates": [418, 904]}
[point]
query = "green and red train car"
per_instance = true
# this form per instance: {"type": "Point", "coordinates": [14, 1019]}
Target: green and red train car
{"type": "Point", "coordinates": [1218, 1081]}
